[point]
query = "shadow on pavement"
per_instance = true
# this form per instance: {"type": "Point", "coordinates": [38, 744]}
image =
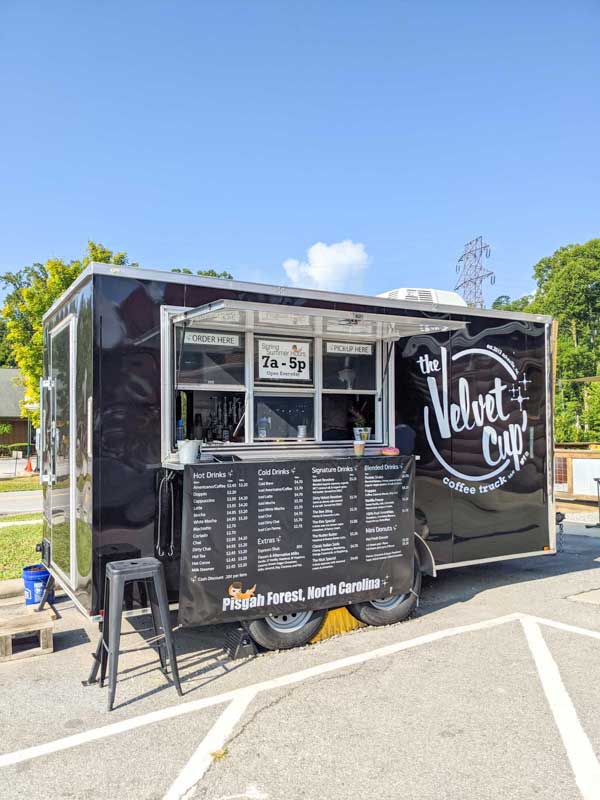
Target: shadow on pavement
{"type": "Point", "coordinates": [460, 584]}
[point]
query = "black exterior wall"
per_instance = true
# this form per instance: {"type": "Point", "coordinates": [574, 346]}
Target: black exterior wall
{"type": "Point", "coordinates": [464, 515]}
{"type": "Point", "coordinates": [510, 519]}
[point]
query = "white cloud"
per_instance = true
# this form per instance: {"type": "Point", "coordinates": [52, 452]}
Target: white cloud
{"type": "Point", "coordinates": [334, 267]}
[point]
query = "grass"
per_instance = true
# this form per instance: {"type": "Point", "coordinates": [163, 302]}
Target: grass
{"type": "Point", "coordinates": [31, 515]}
{"type": "Point", "coordinates": [17, 549]}
{"type": "Point", "coordinates": [28, 484]}
{"type": "Point", "coordinates": [17, 545]}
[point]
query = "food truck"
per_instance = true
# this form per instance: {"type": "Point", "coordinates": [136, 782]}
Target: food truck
{"type": "Point", "coordinates": [341, 445]}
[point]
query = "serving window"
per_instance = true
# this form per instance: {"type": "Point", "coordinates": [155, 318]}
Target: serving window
{"type": "Point", "coordinates": [349, 366]}
{"type": "Point", "coordinates": [210, 358]}
{"type": "Point", "coordinates": [342, 413]}
{"type": "Point", "coordinates": [209, 369]}
{"type": "Point", "coordinates": [234, 387]}
{"type": "Point", "coordinates": [239, 372]}
{"type": "Point", "coordinates": [284, 417]}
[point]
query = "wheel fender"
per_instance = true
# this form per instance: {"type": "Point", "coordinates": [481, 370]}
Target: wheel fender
{"type": "Point", "coordinates": [426, 559]}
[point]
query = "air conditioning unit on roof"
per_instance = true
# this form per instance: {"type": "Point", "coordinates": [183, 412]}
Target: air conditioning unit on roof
{"type": "Point", "coordinates": [428, 296]}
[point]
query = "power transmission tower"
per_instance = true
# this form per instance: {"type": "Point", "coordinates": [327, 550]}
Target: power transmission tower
{"type": "Point", "coordinates": [473, 272]}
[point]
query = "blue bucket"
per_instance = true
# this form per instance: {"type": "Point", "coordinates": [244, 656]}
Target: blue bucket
{"type": "Point", "coordinates": [35, 578]}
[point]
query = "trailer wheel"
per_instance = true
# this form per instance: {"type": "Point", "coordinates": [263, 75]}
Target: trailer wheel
{"type": "Point", "coordinates": [282, 631]}
{"type": "Point", "coordinates": [392, 609]}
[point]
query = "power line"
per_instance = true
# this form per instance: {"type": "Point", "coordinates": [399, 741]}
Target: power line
{"type": "Point", "coordinates": [473, 272]}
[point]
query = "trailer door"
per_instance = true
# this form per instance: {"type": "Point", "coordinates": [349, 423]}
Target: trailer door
{"type": "Point", "coordinates": [62, 448]}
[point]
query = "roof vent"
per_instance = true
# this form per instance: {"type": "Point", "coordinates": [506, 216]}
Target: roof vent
{"type": "Point", "coordinates": [427, 296]}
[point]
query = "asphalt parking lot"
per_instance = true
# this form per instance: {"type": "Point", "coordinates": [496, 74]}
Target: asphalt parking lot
{"type": "Point", "coordinates": [490, 691]}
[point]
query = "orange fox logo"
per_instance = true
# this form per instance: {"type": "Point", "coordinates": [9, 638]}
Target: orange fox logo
{"type": "Point", "coordinates": [236, 590]}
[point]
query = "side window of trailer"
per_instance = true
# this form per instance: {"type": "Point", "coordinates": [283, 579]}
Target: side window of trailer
{"type": "Point", "coordinates": [245, 386]}
{"type": "Point", "coordinates": [350, 385]}
{"type": "Point", "coordinates": [209, 373]}
{"type": "Point", "coordinates": [207, 358]}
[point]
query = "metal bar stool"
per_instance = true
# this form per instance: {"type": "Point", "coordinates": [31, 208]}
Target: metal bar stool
{"type": "Point", "coordinates": [118, 574]}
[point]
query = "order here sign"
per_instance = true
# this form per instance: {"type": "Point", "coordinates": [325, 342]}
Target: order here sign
{"type": "Point", "coordinates": [213, 339]}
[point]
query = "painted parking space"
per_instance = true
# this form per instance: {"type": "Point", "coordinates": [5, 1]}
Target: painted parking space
{"type": "Point", "coordinates": [393, 698]}
{"type": "Point", "coordinates": [461, 701]}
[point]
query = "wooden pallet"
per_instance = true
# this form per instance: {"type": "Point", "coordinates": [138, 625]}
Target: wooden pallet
{"type": "Point", "coordinates": [40, 623]}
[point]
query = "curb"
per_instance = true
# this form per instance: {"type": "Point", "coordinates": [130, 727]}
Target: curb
{"type": "Point", "coordinates": [589, 533]}
{"type": "Point", "coordinates": [11, 588]}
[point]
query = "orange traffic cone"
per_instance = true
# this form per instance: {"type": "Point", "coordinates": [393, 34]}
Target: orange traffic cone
{"type": "Point", "coordinates": [28, 467]}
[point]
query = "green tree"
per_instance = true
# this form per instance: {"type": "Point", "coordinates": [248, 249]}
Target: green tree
{"type": "Point", "coordinates": [32, 290]}
{"type": "Point", "coordinates": [6, 356]}
{"type": "Point", "coordinates": [591, 411]}
{"type": "Point", "coordinates": [504, 303]}
{"type": "Point", "coordinates": [209, 273]}
{"type": "Point", "coordinates": [568, 288]}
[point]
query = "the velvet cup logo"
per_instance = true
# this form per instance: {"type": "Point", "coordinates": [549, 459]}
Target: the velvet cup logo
{"type": "Point", "coordinates": [495, 420]}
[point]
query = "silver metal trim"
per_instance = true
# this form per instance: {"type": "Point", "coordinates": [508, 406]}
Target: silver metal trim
{"type": "Point", "coordinates": [90, 427]}
{"type": "Point", "coordinates": [70, 322]}
{"type": "Point", "coordinates": [317, 349]}
{"type": "Point", "coordinates": [424, 543]}
{"type": "Point", "coordinates": [166, 372]}
{"type": "Point", "coordinates": [422, 325]}
{"type": "Point", "coordinates": [72, 450]}
{"type": "Point", "coordinates": [283, 390]}
{"type": "Point", "coordinates": [169, 316]}
{"type": "Point", "coordinates": [62, 324]}
{"type": "Point", "coordinates": [212, 387]}
{"type": "Point", "coordinates": [285, 291]}
{"type": "Point", "coordinates": [549, 385]}
{"type": "Point", "coordinates": [391, 402]}
{"type": "Point", "coordinates": [82, 278]}
{"type": "Point", "coordinates": [271, 450]}
{"type": "Point", "coordinates": [496, 558]}
{"type": "Point", "coordinates": [68, 590]}
{"type": "Point", "coordinates": [372, 392]}
{"type": "Point", "coordinates": [44, 384]}
{"type": "Point", "coordinates": [249, 378]}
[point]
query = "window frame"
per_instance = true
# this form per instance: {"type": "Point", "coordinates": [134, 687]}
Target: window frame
{"type": "Point", "coordinates": [266, 382]}
{"type": "Point", "coordinates": [197, 386]}
{"type": "Point", "coordinates": [285, 393]}
{"type": "Point", "coordinates": [383, 392]}
{"type": "Point", "coordinates": [376, 355]}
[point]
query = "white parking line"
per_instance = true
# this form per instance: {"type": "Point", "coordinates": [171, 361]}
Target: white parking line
{"type": "Point", "coordinates": [213, 741]}
{"type": "Point", "coordinates": [579, 748]}
{"type": "Point", "coordinates": [562, 626]}
{"type": "Point", "coordinates": [111, 730]}
{"type": "Point", "coordinates": [105, 731]}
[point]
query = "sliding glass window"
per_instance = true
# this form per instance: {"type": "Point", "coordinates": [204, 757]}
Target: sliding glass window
{"type": "Point", "coordinates": [350, 388]}
{"type": "Point", "coordinates": [235, 386]}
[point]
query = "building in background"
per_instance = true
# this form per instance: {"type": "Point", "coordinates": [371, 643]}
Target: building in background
{"type": "Point", "coordinates": [11, 394]}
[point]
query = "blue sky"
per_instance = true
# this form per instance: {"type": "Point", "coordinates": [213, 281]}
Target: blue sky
{"type": "Point", "coordinates": [238, 134]}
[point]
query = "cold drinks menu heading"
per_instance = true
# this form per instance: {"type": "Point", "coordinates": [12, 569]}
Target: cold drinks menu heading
{"type": "Point", "coordinates": [269, 537]}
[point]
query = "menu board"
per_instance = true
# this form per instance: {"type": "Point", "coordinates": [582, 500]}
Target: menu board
{"type": "Point", "coordinates": [273, 537]}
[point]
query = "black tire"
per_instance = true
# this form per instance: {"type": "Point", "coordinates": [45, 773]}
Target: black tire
{"type": "Point", "coordinates": [399, 607]}
{"type": "Point", "coordinates": [271, 635]}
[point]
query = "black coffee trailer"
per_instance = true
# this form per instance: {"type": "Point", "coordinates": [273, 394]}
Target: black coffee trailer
{"type": "Point", "coordinates": [282, 517]}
